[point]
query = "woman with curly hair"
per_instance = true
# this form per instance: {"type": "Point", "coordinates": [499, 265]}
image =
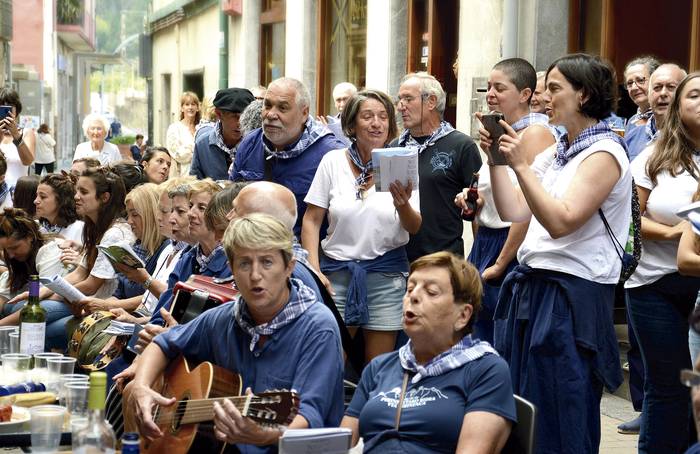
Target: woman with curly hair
{"type": "Point", "coordinates": [27, 251]}
{"type": "Point", "coordinates": [55, 207]}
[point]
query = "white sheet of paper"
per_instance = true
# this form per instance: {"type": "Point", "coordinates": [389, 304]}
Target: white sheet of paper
{"type": "Point", "coordinates": [330, 440]}
{"type": "Point", "coordinates": [63, 288]}
{"type": "Point", "coordinates": [392, 164]}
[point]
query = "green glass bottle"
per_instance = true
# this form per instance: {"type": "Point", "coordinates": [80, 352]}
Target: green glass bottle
{"type": "Point", "coordinates": [32, 321]}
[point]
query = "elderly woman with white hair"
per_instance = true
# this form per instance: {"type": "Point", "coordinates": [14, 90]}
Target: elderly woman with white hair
{"type": "Point", "coordinates": [95, 128]}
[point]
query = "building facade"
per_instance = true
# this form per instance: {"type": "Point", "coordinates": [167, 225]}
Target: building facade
{"type": "Point", "coordinates": [373, 43]}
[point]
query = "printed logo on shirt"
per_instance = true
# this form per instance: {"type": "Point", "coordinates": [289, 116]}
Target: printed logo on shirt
{"type": "Point", "coordinates": [418, 397]}
{"type": "Point", "coordinates": [442, 160]}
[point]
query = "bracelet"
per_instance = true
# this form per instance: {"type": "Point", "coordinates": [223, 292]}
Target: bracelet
{"type": "Point", "coordinates": [147, 283]}
{"type": "Point", "coordinates": [18, 142]}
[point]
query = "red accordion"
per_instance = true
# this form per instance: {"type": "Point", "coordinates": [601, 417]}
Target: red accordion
{"type": "Point", "coordinates": [199, 294]}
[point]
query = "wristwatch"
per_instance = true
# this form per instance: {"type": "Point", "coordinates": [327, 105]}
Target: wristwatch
{"type": "Point", "coordinates": [18, 142]}
{"type": "Point", "coordinates": [147, 283]}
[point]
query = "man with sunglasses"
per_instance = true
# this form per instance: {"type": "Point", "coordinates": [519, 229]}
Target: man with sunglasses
{"type": "Point", "coordinates": [447, 162]}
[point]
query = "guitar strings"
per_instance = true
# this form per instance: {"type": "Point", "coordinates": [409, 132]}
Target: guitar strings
{"type": "Point", "coordinates": [201, 407]}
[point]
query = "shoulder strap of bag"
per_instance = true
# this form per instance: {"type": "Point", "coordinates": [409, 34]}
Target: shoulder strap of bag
{"type": "Point", "coordinates": [397, 420]}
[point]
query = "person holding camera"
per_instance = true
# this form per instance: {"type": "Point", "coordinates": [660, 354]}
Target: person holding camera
{"type": "Point", "coordinates": [17, 144]}
{"type": "Point", "coordinates": [553, 322]}
{"type": "Point", "coordinates": [510, 88]}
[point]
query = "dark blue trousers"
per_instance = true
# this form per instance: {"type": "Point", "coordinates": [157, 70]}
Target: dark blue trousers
{"type": "Point", "coordinates": [485, 250]}
{"type": "Point", "coordinates": [556, 332]}
{"type": "Point", "coordinates": [659, 314]}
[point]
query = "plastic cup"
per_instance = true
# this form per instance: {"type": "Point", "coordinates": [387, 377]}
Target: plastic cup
{"type": "Point", "coordinates": [57, 367]}
{"type": "Point", "coordinates": [76, 398]}
{"type": "Point", "coordinates": [47, 425]}
{"type": "Point", "coordinates": [40, 373]}
{"type": "Point", "coordinates": [5, 338]}
{"type": "Point", "coordinates": [63, 380]}
{"type": "Point", "coordinates": [15, 367]}
{"type": "Point", "coordinates": [14, 342]}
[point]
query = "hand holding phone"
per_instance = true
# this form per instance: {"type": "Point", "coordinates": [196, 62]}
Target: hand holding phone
{"type": "Point", "coordinates": [5, 111]}
{"type": "Point", "coordinates": [495, 130]}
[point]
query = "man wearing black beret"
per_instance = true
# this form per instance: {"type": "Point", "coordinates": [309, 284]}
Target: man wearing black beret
{"type": "Point", "coordinates": [215, 150]}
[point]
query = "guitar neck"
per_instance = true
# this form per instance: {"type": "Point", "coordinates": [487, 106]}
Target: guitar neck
{"type": "Point", "coordinates": [199, 410]}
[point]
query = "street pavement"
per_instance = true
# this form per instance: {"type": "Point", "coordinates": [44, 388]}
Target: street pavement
{"type": "Point", "coordinates": [613, 411]}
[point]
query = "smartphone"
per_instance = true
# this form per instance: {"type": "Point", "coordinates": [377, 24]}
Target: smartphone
{"type": "Point", "coordinates": [490, 122]}
{"type": "Point", "coordinates": [5, 111]}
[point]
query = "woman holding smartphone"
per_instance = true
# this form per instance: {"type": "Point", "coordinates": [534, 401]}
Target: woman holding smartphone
{"type": "Point", "coordinates": [16, 144]}
{"type": "Point", "coordinates": [553, 322]}
{"type": "Point", "coordinates": [511, 85]}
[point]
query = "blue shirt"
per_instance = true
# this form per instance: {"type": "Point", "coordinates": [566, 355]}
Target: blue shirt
{"type": "Point", "coordinates": [295, 173]}
{"type": "Point", "coordinates": [433, 408]}
{"type": "Point", "coordinates": [185, 267]}
{"type": "Point", "coordinates": [304, 355]}
{"type": "Point", "coordinates": [208, 159]}
{"type": "Point", "coordinates": [638, 138]}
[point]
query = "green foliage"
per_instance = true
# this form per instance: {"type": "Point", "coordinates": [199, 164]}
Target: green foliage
{"type": "Point", "coordinates": [69, 11]}
{"type": "Point", "coordinates": [116, 21]}
{"type": "Point", "coordinates": [123, 140]}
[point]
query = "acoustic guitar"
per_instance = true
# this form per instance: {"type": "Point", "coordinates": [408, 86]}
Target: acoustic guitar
{"type": "Point", "coordinates": [188, 426]}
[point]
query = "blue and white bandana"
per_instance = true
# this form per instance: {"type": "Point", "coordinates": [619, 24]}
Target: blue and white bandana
{"type": "Point", "coordinates": [640, 116]}
{"type": "Point", "coordinates": [464, 351]}
{"type": "Point", "coordinates": [533, 118]}
{"type": "Point", "coordinates": [301, 298]}
{"type": "Point", "coordinates": [203, 260]}
{"type": "Point", "coordinates": [585, 139]}
{"type": "Point", "coordinates": [4, 191]}
{"type": "Point", "coordinates": [650, 130]}
{"type": "Point", "coordinates": [299, 253]}
{"type": "Point", "coordinates": [44, 225]}
{"type": "Point", "coordinates": [313, 130]}
{"type": "Point", "coordinates": [365, 170]}
{"type": "Point", "coordinates": [179, 245]}
{"type": "Point", "coordinates": [220, 141]}
{"type": "Point", "coordinates": [407, 140]}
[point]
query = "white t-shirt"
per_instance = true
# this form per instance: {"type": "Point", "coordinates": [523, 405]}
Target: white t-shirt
{"type": "Point", "coordinates": [180, 143]}
{"type": "Point", "coordinates": [488, 215]}
{"type": "Point", "coordinates": [666, 197]}
{"type": "Point", "coordinates": [73, 231]}
{"type": "Point", "coordinates": [357, 229]}
{"type": "Point", "coordinates": [44, 149]}
{"type": "Point", "coordinates": [15, 168]}
{"type": "Point", "coordinates": [109, 153]}
{"type": "Point", "coordinates": [162, 273]}
{"type": "Point", "coordinates": [588, 252]}
{"type": "Point", "coordinates": [102, 268]}
{"type": "Point", "coordinates": [48, 265]}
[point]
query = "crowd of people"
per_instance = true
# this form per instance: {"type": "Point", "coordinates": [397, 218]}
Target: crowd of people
{"type": "Point", "coordinates": [251, 187]}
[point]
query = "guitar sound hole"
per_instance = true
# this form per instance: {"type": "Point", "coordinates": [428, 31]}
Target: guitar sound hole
{"type": "Point", "coordinates": [179, 413]}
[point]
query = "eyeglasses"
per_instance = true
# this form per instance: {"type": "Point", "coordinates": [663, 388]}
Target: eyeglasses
{"type": "Point", "coordinates": [639, 81]}
{"type": "Point", "coordinates": [405, 100]}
